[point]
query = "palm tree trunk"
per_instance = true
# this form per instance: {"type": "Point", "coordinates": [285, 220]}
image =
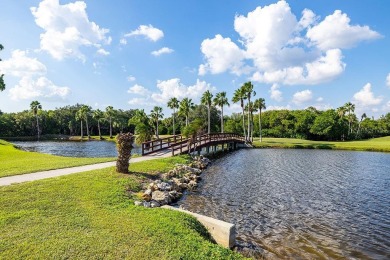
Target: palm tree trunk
{"type": "Point", "coordinates": [81, 129]}
{"type": "Point", "coordinates": [86, 124]}
{"type": "Point", "coordinates": [110, 127]}
{"type": "Point", "coordinates": [249, 118]}
{"type": "Point", "coordinates": [173, 116]}
{"type": "Point", "coordinates": [243, 121]}
{"type": "Point", "coordinates": [261, 137]}
{"type": "Point", "coordinates": [251, 127]}
{"type": "Point", "coordinates": [186, 120]}
{"type": "Point", "coordinates": [208, 120]}
{"type": "Point", "coordinates": [157, 130]}
{"type": "Point", "coordinates": [37, 126]}
{"type": "Point", "coordinates": [221, 119]}
{"type": "Point", "coordinates": [100, 134]}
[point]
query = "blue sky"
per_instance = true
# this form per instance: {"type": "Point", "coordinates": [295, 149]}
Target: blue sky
{"type": "Point", "coordinates": [138, 54]}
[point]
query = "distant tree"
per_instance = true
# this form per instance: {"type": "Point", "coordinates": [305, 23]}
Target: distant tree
{"type": "Point", "coordinates": [207, 100]}
{"type": "Point", "coordinates": [350, 108]}
{"type": "Point", "coordinates": [2, 84]}
{"type": "Point", "coordinates": [110, 114]}
{"type": "Point", "coordinates": [260, 105]}
{"type": "Point", "coordinates": [364, 116]}
{"type": "Point", "coordinates": [98, 115]}
{"type": "Point", "coordinates": [240, 96]}
{"type": "Point", "coordinates": [35, 106]}
{"type": "Point", "coordinates": [156, 114]}
{"type": "Point", "coordinates": [83, 114]}
{"type": "Point", "coordinates": [221, 100]}
{"type": "Point", "coordinates": [143, 127]}
{"type": "Point", "coordinates": [249, 90]}
{"type": "Point", "coordinates": [185, 107]}
{"type": "Point", "coordinates": [173, 104]}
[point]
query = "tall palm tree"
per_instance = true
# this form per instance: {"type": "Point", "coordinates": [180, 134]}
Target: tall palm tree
{"type": "Point", "coordinates": [240, 96]}
{"type": "Point", "coordinates": [82, 114]}
{"type": "Point", "coordinates": [341, 113]}
{"type": "Point", "coordinates": [156, 114]}
{"type": "Point", "coordinates": [364, 116]}
{"type": "Point", "coordinates": [98, 115]}
{"type": "Point", "coordinates": [260, 105]}
{"type": "Point", "coordinates": [350, 108]}
{"type": "Point", "coordinates": [207, 100]}
{"type": "Point", "coordinates": [2, 84]}
{"type": "Point", "coordinates": [221, 100]}
{"type": "Point", "coordinates": [173, 103]}
{"type": "Point", "coordinates": [185, 107]}
{"type": "Point", "coordinates": [110, 114]}
{"type": "Point", "coordinates": [248, 88]}
{"type": "Point", "coordinates": [79, 117]}
{"type": "Point", "coordinates": [35, 106]}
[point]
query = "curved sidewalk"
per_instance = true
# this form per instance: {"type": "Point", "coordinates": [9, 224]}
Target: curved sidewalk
{"type": "Point", "coordinates": [65, 171]}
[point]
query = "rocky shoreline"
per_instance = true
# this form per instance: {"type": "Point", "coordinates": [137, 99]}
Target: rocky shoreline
{"type": "Point", "coordinates": [169, 189]}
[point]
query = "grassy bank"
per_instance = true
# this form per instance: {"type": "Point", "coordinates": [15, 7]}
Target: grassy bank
{"type": "Point", "coordinates": [14, 161]}
{"type": "Point", "coordinates": [90, 216]}
{"type": "Point", "coordinates": [381, 144]}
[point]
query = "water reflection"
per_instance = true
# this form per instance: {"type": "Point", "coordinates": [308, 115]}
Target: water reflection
{"type": "Point", "coordinates": [301, 203]}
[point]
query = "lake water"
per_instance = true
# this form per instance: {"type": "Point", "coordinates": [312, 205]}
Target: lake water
{"type": "Point", "coordinates": [73, 148]}
{"type": "Point", "coordinates": [301, 204]}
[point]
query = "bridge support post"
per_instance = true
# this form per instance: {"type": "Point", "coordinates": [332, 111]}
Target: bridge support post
{"type": "Point", "coordinates": [223, 147]}
{"type": "Point", "coordinates": [207, 149]}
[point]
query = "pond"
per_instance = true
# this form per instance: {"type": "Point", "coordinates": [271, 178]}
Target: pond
{"type": "Point", "coordinates": [73, 148]}
{"type": "Point", "coordinates": [301, 204]}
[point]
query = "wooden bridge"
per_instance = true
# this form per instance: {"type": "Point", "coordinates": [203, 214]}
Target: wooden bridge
{"type": "Point", "coordinates": [178, 144]}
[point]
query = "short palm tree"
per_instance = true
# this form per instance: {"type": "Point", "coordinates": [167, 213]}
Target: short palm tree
{"type": "Point", "coordinates": [240, 96]}
{"type": "Point", "coordinates": [260, 105]}
{"type": "Point", "coordinates": [173, 104]}
{"type": "Point", "coordinates": [156, 114]}
{"type": "Point", "coordinates": [185, 107]}
{"type": "Point", "coordinates": [143, 128]}
{"type": "Point", "coordinates": [35, 106]}
{"type": "Point", "coordinates": [110, 114]}
{"type": "Point", "coordinates": [207, 100]}
{"type": "Point", "coordinates": [98, 115]}
{"type": "Point", "coordinates": [221, 100]}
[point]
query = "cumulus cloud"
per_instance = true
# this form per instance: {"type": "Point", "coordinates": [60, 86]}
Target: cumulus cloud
{"type": "Point", "coordinates": [275, 93]}
{"type": "Point", "coordinates": [148, 31]}
{"type": "Point", "coordinates": [283, 49]}
{"type": "Point", "coordinates": [138, 90]}
{"type": "Point", "coordinates": [388, 80]}
{"type": "Point", "coordinates": [67, 29]}
{"type": "Point", "coordinates": [365, 97]}
{"type": "Point", "coordinates": [302, 97]}
{"type": "Point", "coordinates": [103, 52]}
{"type": "Point", "coordinates": [221, 54]}
{"type": "Point", "coordinates": [164, 50]}
{"type": "Point", "coordinates": [136, 102]}
{"type": "Point", "coordinates": [32, 80]}
{"type": "Point", "coordinates": [131, 78]}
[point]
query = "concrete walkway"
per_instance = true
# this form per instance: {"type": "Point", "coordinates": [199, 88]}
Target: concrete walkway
{"type": "Point", "coordinates": [60, 172]}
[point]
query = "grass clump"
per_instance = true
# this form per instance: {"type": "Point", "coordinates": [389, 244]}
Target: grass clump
{"type": "Point", "coordinates": [15, 161]}
{"type": "Point", "coordinates": [90, 216]}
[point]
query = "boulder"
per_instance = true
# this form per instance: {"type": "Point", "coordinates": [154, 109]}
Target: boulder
{"type": "Point", "coordinates": [164, 186]}
{"type": "Point", "coordinates": [154, 204]}
{"type": "Point", "coordinates": [146, 197]}
{"type": "Point", "coordinates": [161, 197]}
{"type": "Point", "coordinates": [138, 203]}
{"type": "Point", "coordinates": [146, 204]}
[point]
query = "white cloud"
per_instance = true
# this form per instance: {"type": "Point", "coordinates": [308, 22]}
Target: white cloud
{"type": "Point", "coordinates": [365, 97]}
{"type": "Point", "coordinates": [32, 80]}
{"type": "Point", "coordinates": [388, 80]}
{"type": "Point", "coordinates": [221, 55]}
{"type": "Point", "coordinates": [67, 28]}
{"type": "Point", "coordinates": [131, 78]}
{"type": "Point", "coordinates": [302, 97]}
{"type": "Point", "coordinates": [164, 50]}
{"type": "Point", "coordinates": [136, 102]}
{"type": "Point", "coordinates": [174, 88]}
{"type": "Point", "coordinates": [320, 99]}
{"type": "Point", "coordinates": [275, 93]}
{"type": "Point", "coordinates": [138, 90]}
{"type": "Point", "coordinates": [335, 32]}
{"type": "Point", "coordinates": [123, 41]}
{"type": "Point", "coordinates": [29, 88]}
{"type": "Point", "coordinates": [284, 49]}
{"type": "Point", "coordinates": [148, 31]}
{"type": "Point", "coordinates": [103, 52]}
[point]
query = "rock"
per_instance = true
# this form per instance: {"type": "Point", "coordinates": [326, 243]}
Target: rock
{"type": "Point", "coordinates": [146, 197]}
{"type": "Point", "coordinates": [153, 186]}
{"type": "Point", "coordinates": [154, 204]}
{"type": "Point", "coordinates": [148, 192]}
{"type": "Point", "coordinates": [161, 197]}
{"type": "Point", "coordinates": [173, 195]}
{"type": "Point", "coordinates": [192, 185]}
{"type": "Point", "coordinates": [146, 204]}
{"type": "Point", "coordinates": [164, 186]}
{"type": "Point", "coordinates": [138, 203]}
{"type": "Point", "coordinates": [183, 186]}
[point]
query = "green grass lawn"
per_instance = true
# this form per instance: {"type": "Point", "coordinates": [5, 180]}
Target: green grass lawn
{"type": "Point", "coordinates": [381, 144]}
{"type": "Point", "coordinates": [14, 161]}
{"type": "Point", "coordinates": [91, 215]}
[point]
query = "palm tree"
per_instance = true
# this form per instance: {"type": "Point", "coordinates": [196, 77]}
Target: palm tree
{"type": "Point", "coordinates": [143, 128]}
{"type": "Point", "coordinates": [350, 108]}
{"type": "Point", "coordinates": [207, 100]}
{"type": "Point", "coordinates": [35, 106]}
{"type": "Point", "coordinates": [341, 113]}
{"type": "Point", "coordinates": [110, 114]}
{"type": "Point", "coordinates": [173, 103]}
{"type": "Point", "coordinates": [98, 115]}
{"type": "Point", "coordinates": [2, 84]}
{"type": "Point", "coordinates": [240, 96]}
{"type": "Point", "coordinates": [248, 89]}
{"type": "Point", "coordinates": [260, 105]}
{"type": "Point", "coordinates": [221, 100]}
{"type": "Point", "coordinates": [364, 116]}
{"type": "Point", "coordinates": [156, 114]}
{"type": "Point", "coordinates": [82, 114]}
{"type": "Point", "coordinates": [185, 107]}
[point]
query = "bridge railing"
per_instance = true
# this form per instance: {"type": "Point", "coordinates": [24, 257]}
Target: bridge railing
{"type": "Point", "coordinates": [160, 144]}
